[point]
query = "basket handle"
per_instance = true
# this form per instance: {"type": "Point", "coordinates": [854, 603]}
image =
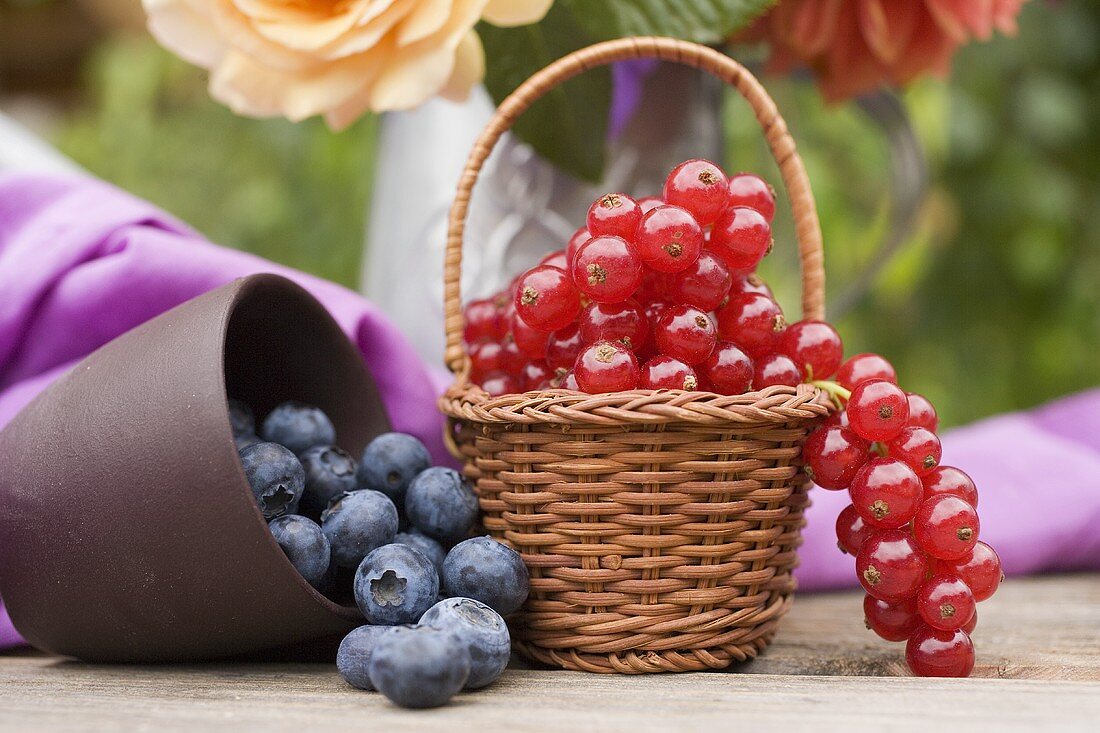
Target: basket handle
{"type": "Point", "coordinates": [807, 227]}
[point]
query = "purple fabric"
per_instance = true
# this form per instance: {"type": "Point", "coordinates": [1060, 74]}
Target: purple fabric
{"type": "Point", "coordinates": [627, 84]}
{"type": "Point", "coordinates": [81, 262]}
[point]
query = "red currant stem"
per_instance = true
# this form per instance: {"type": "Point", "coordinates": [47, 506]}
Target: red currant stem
{"type": "Point", "coordinates": [879, 448]}
{"type": "Point", "coordinates": [839, 395]}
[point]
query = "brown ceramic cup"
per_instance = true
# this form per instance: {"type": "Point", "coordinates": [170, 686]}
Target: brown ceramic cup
{"type": "Point", "coordinates": [127, 529]}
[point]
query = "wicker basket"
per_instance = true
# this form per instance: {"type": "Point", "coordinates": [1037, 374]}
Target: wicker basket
{"type": "Point", "coordinates": [659, 526]}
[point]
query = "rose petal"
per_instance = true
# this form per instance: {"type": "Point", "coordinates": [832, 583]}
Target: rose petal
{"type": "Point", "coordinates": [425, 19]}
{"type": "Point", "coordinates": [255, 90]}
{"type": "Point", "coordinates": [413, 73]}
{"type": "Point", "coordinates": [507, 13]}
{"type": "Point", "coordinates": [368, 34]}
{"type": "Point", "coordinates": [186, 32]}
{"type": "Point", "coordinates": [469, 68]}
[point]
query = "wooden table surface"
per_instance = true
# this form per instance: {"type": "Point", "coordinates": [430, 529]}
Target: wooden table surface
{"type": "Point", "coordinates": [1038, 668]}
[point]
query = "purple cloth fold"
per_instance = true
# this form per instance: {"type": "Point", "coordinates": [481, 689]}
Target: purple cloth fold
{"type": "Point", "coordinates": [82, 262]}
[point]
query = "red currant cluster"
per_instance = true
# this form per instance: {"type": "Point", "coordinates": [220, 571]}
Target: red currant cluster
{"type": "Point", "coordinates": [912, 524]}
{"type": "Point", "coordinates": [655, 293]}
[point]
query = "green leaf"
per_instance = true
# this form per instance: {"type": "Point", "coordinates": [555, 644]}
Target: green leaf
{"type": "Point", "coordinates": [702, 21]}
{"type": "Point", "coordinates": [568, 125]}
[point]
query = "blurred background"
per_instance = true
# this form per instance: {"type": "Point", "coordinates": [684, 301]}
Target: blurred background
{"type": "Point", "coordinates": [987, 299]}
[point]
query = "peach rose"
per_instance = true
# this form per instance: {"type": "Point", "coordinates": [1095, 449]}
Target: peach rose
{"type": "Point", "coordinates": [853, 46]}
{"type": "Point", "coordinates": [337, 58]}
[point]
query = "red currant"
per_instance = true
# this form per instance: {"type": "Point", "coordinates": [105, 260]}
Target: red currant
{"type": "Point", "coordinates": [669, 239]}
{"type": "Point", "coordinates": [877, 410]}
{"type": "Point", "coordinates": [934, 653]}
{"type": "Point", "coordinates": [624, 322]}
{"type": "Point", "coordinates": [606, 270]}
{"type": "Point", "coordinates": [649, 203]}
{"type": "Point", "coordinates": [569, 381]}
{"type": "Point", "coordinates": [531, 341]}
{"type": "Point", "coordinates": [886, 493]}
{"type": "Point", "coordinates": [945, 602]}
{"type": "Point", "coordinates": [950, 480]}
{"type": "Point", "coordinates": [972, 623]}
{"type": "Point", "coordinates": [921, 412]}
{"type": "Point", "coordinates": [607, 366]}
{"type": "Point", "coordinates": [753, 322]}
{"type": "Point", "coordinates": [546, 299]}
{"type": "Point", "coordinates": [705, 284]}
{"type": "Point", "coordinates": [741, 237]}
{"type": "Point", "coordinates": [946, 527]}
{"type": "Point", "coordinates": [653, 286]}
{"type": "Point", "coordinates": [664, 372]}
{"type": "Point", "coordinates": [512, 360]}
{"type": "Point", "coordinates": [556, 259]}
{"type": "Point", "coordinates": [981, 570]}
{"type": "Point", "coordinates": [891, 621]}
{"type": "Point", "coordinates": [700, 187]}
{"type": "Point", "coordinates": [747, 189]}
{"type": "Point", "coordinates": [484, 320]}
{"type": "Point", "coordinates": [499, 383]}
{"type": "Point", "coordinates": [484, 357]}
{"type": "Point", "coordinates": [728, 369]}
{"type": "Point", "coordinates": [838, 419]}
{"type": "Point", "coordinates": [749, 283]}
{"type": "Point", "coordinates": [535, 375]}
{"type": "Point", "coordinates": [863, 367]}
{"type": "Point", "coordinates": [563, 347]}
{"type": "Point", "coordinates": [775, 369]}
{"type": "Point", "coordinates": [833, 456]}
{"type": "Point", "coordinates": [850, 530]}
{"type": "Point", "coordinates": [813, 345]}
{"type": "Point", "coordinates": [579, 237]}
{"type": "Point", "coordinates": [615, 214]}
{"type": "Point", "coordinates": [889, 565]}
{"type": "Point", "coordinates": [685, 333]}
{"type": "Point", "coordinates": [918, 447]}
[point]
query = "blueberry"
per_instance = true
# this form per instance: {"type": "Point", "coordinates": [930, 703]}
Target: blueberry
{"type": "Point", "coordinates": [419, 666]}
{"type": "Point", "coordinates": [390, 462]}
{"type": "Point", "coordinates": [353, 656]}
{"type": "Point", "coordinates": [485, 570]}
{"type": "Point", "coordinates": [481, 629]}
{"type": "Point", "coordinates": [441, 504]}
{"type": "Point", "coordinates": [243, 441]}
{"type": "Point", "coordinates": [395, 584]}
{"type": "Point", "coordinates": [276, 477]}
{"type": "Point", "coordinates": [241, 418]}
{"type": "Point", "coordinates": [305, 544]}
{"type": "Point", "coordinates": [415, 538]}
{"type": "Point", "coordinates": [356, 523]}
{"type": "Point", "coordinates": [330, 472]}
{"type": "Point", "coordinates": [298, 427]}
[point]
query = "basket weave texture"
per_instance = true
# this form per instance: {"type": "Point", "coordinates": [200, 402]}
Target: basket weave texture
{"type": "Point", "coordinates": [659, 526]}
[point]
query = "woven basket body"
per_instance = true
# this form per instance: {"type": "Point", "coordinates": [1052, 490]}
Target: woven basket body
{"type": "Point", "coordinates": [659, 527]}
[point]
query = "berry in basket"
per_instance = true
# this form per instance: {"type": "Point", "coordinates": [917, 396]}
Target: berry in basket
{"type": "Point", "coordinates": [433, 596]}
{"type": "Point", "coordinates": [661, 293]}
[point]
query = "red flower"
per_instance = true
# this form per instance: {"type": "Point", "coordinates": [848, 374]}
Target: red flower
{"type": "Point", "coordinates": [853, 46]}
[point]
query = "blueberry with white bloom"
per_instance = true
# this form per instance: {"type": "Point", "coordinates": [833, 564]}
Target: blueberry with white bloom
{"type": "Point", "coordinates": [298, 426]}
{"type": "Point", "coordinates": [481, 629]}
{"type": "Point", "coordinates": [488, 571]}
{"type": "Point", "coordinates": [356, 523]}
{"type": "Point", "coordinates": [441, 504]}
{"type": "Point", "coordinates": [305, 546]}
{"type": "Point", "coordinates": [419, 666]}
{"type": "Point", "coordinates": [276, 478]}
{"type": "Point", "coordinates": [395, 584]}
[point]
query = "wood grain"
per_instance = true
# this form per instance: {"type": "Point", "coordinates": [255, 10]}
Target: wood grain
{"type": "Point", "coordinates": [1038, 669]}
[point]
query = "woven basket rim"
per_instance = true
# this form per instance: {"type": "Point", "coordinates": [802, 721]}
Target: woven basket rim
{"type": "Point", "coordinates": [780, 403]}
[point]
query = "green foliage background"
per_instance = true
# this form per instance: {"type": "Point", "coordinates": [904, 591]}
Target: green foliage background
{"type": "Point", "coordinates": [993, 304]}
